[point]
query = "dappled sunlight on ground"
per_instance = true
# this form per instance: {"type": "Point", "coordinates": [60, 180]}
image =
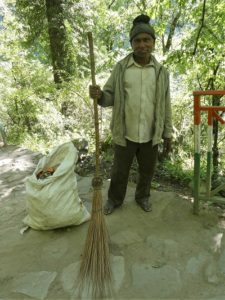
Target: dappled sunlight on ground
{"type": "Point", "coordinates": [183, 252]}
{"type": "Point", "coordinates": [217, 242]}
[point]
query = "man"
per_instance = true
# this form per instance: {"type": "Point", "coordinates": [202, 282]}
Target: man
{"type": "Point", "coordinates": [138, 90]}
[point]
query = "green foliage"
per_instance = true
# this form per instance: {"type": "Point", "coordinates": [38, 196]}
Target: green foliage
{"type": "Point", "coordinates": [200, 50]}
{"type": "Point", "coordinates": [174, 171]}
{"type": "Point", "coordinates": [31, 102]}
{"type": "Point", "coordinates": [32, 15]}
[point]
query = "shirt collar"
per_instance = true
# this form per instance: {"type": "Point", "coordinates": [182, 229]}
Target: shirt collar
{"type": "Point", "coordinates": [132, 62]}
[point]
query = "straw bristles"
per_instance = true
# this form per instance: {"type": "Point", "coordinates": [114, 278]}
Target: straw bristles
{"type": "Point", "coordinates": [95, 271]}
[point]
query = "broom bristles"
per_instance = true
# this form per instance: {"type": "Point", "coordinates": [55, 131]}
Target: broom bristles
{"type": "Point", "coordinates": [95, 271]}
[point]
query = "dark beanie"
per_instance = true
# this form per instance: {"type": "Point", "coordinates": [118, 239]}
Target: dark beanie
{"type": "Point", "coordinates": [141, 25]}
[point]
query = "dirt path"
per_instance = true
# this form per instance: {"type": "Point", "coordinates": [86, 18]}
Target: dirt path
{"type": "Point", "coordinates": [166, 254]}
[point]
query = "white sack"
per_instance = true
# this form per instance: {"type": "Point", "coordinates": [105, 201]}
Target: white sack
{"type": "Point", "coordinates": [54, 202]}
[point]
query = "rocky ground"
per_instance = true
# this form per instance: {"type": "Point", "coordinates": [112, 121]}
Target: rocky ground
{"type": "Point", "coordinates": [166, 254]}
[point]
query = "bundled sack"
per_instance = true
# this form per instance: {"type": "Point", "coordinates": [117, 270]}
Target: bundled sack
{"type": "Point", "coordinates": [51, 192]}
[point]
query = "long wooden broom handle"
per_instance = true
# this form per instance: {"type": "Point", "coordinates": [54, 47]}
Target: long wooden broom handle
{"type": "Point", "coordinates": [96, 119]}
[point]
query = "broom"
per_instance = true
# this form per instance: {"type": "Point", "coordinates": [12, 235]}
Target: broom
{"type": "Point", "coordinates": [95, 270]}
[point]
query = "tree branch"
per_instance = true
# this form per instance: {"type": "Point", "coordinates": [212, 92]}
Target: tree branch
{"type": "Point", "coordinates": [199, 82]}
{"type": "Point", "coordinates": [171, 32]}
{"type": "Point", "coordinates": [163, 43]}
{"type": "Point", "coordinates": [211, 79]}
{"type": "Point", "coordinates": [109, 6]}
{"type": "Point", "coordinates": [212, 33]}
{"type": "Point", "coordinates": [200, 28]}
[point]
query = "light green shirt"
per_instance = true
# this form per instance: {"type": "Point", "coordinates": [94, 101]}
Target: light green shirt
{"type": "Point", "coordinates": [140, 89]}
{"type": "Point", "coordinates": [113, 95]}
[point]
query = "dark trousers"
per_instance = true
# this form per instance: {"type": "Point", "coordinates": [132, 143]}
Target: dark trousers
{"type": "Point", "coordinates": [146, 156]}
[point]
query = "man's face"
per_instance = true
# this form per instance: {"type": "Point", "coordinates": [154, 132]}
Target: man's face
{"type": "Point", "coordinates": [142, 45]}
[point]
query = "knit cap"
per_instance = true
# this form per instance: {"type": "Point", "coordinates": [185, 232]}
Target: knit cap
{"type": "Point", "coordinates": [141, 25]}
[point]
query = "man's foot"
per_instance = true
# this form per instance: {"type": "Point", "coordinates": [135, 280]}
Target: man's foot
{"type": "Point", "coordinates": [109, 207]}
{"type": "Point", "coordinates": [145, 205]}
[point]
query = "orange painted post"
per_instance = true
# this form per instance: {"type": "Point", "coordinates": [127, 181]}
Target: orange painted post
{"type": "Point", "coordinates": [212, 113]}
{"type": "Point", "coordinates": [209, 154]}
{"type": "Point", "coordinates": [197, 130]}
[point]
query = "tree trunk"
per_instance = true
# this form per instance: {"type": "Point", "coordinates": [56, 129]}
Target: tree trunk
{"type": "Point", "coordinates": [58, 40]}
{"type": "Point", "coordinates": [215, 150]}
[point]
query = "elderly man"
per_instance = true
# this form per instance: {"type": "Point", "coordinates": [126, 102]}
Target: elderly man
{"type": "Point", "coordinates": [138, 90]}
